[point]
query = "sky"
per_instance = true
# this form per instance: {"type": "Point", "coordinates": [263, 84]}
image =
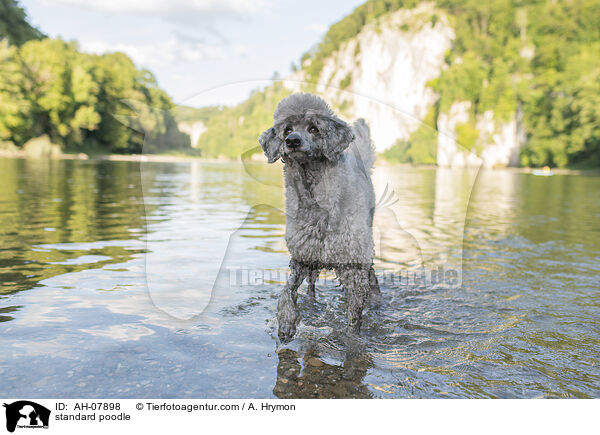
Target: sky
{"type": "Point", "coordinates": [202, 52]}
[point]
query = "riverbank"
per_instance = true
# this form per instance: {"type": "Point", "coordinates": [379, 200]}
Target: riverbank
{"type": "Point", "coordinates": [22, 154]}
{"type": "Point", "coordinates": [258, 158]}
{"type": "Point", "coordinates": [525, 170]}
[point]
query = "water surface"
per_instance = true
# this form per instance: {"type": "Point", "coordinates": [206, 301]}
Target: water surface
{"type": "Point", "coordinates": [161, 280]}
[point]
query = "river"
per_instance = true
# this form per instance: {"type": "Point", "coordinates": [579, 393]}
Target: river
{"type": "Point", "coordinates": [160, 280]}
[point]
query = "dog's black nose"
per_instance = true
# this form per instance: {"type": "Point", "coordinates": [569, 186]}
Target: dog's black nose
{"type": "Point", "coordinates": [293, 140]}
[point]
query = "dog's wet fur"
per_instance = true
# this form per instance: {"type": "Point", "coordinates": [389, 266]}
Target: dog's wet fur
{"type": "Point", "coordinates": [329, 203]}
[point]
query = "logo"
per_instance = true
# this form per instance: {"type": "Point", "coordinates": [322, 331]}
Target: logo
{"type": "Point", "coordinates": [26, 414]}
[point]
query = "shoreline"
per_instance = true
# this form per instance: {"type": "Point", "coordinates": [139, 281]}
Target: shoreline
{"type": "Point", "coordinates": [114, 157]}
{"type": "Point", "coordinates": [166, 158]}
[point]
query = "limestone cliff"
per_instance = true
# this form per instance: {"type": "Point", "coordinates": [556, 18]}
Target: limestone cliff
{"type": "Point", "coordinates": [382, 75]}
{"type": "Point", "coordinates": [193, 129]}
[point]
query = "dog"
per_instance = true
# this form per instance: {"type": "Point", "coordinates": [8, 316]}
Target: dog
{"type": "Point", "coordinates": [329, 204]}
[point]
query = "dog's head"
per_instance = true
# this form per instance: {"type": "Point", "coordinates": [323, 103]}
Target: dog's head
{"type": "Point", "coordinates": [305, 129]}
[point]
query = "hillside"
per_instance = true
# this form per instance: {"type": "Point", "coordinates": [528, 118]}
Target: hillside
{"type": "Point", "coordinates": [451, 82]}
{"type": "Point", "coordinates": [232, 131]}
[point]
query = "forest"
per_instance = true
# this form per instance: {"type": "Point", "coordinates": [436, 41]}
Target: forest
{"type": "Point", "coordinates": [79, 101]}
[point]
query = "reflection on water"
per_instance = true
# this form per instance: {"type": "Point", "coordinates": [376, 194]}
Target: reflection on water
{"type": "Point", "coordinates": [65, 213]}
{"type": "Point", "coordinates": [161, 280]}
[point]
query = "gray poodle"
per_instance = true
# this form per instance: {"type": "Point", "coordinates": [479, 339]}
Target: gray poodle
{"type": "Point", "coordinates": [329, 203]}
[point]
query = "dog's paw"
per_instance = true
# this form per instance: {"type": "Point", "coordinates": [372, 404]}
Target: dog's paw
{"type": "Point", "coordinates": [353, 327]}
{"type": "Point", "coordinates": [375, 299]}
{"type": "Point", "coordinates": [288, 317]}
{"type": "Point", "coordinates": [286, 332]}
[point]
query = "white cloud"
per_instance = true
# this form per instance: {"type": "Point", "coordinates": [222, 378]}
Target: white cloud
{"type": "Point", "coordinates": [316, 27]}
{"type": "Point", "coordinates": [187, 12]}
{"type": "Point", "coordinates": [170, 51]}
{"type": "Point", "coordinates": [241, 50]}
{"type": "Point", "coordinates": [228, 94]}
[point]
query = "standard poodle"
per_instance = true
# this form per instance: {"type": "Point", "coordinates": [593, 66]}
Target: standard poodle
{"type": "Point", "coordinates": [329, 203]}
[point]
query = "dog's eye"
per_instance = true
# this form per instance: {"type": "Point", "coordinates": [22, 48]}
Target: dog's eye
{"type": "Point", "coordinates": [312, 129]}
{"type": "Point", "coordinates": [287, 131]}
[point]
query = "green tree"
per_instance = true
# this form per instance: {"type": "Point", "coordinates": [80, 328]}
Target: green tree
{"type": "Point", "coordinates": [49, 87]}
{"type": "Point", "coordinates": [14, 25]}
{"type": "Point", "coordinates": [421, 146]}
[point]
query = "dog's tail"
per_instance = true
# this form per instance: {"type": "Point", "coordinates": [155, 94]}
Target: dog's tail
{"type": "Point", "coordinates": [362, 144]}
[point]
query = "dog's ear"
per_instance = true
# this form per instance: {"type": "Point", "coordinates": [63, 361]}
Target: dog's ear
{"type": "Point", "coordinates": [271, 144]}
{"type": "Point", "coordinates": [338, 136]}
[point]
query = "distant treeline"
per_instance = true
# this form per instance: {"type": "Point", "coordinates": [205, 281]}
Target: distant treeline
{"type": "Point", "coordinates": [233, 131]}
{"type": "Point", "coordinates": [48, 87]}
{"type": "Point", "coordinates": [193, 114]}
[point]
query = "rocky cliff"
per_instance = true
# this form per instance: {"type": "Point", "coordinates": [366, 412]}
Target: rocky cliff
{"type": "Point", "coordinates": [193, 129]}
{"type": "Point", "coordinates": [383, 75]}
{"type": "Point", "coordinates": [449, 82]}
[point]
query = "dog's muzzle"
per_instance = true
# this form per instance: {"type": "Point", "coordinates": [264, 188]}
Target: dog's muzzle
{"type": "Point", "coordinates": [293, 141]}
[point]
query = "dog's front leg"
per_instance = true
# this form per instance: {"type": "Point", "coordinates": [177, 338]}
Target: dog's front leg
{"type": "Point", "coordinates": [287, 310]}
{"type": "Point", "coordinates": [355, 281]}
{"type": "Point", "coordinates": [375, 293]}
{"type": "Point", "coordinates": [312, 279]}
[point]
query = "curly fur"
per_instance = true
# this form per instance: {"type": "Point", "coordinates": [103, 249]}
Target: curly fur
{"type": "Point", "coordinates": [329, 203]}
